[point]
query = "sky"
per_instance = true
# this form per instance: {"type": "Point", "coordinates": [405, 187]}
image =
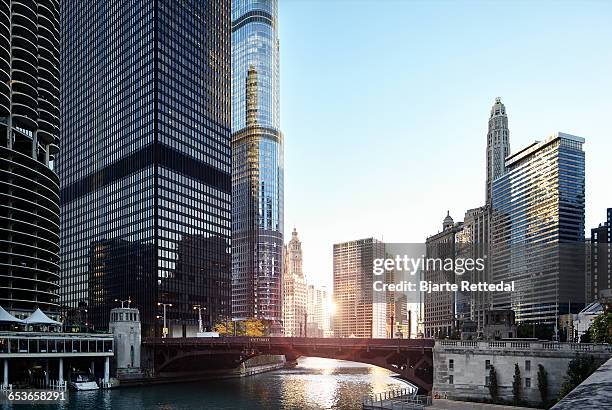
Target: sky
{"type": "Point", "coordinates": [384, 109]}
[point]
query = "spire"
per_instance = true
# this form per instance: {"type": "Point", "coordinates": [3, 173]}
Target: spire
{"type": "Point", "coordinates": [498, 145]}
{"type": "Point", "coordinates": [448, 221]}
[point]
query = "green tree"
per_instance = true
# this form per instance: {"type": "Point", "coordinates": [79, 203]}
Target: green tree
{"type": "Point", "coordinates": [493, 386]}
{"type": "Point", "coordinates": [600, 330]}
{"type": "Point", "coordinates": [543, 384]}
{"type": "Point", "coordinates": [517, 385]}
{"type": "Point", "coordinates": [578, 370]}
{"type": "Point", "coordinates": [250, 327]}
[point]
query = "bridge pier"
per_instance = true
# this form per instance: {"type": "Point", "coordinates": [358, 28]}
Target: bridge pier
{"type": "Point", "coordinates": [5, 382]}
{"type": "Point", "coordinates": [106, 369]}
{"type": "Point", "coordinates": [60, 376]}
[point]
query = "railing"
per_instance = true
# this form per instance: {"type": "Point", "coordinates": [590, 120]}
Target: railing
{"type": "Point", "coordinates": [396, 399]}
{"type": "Point", "coordinates": [15, 343]}
{"type": "Point", "coordinates": [527, 345]}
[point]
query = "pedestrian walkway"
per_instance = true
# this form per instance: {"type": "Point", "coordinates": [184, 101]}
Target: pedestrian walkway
{"type": "Point", "coordinates": [442, 404]}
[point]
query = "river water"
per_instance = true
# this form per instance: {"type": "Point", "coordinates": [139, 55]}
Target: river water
{"type": "Point", "coordinates": [313, 384]}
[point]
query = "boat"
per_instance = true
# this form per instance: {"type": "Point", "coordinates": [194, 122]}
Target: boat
{"type": "Point", "coordinates": [82, 381]}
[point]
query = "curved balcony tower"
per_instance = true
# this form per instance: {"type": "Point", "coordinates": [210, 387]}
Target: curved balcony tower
{"type": "Point", "coordinates": [29, 129]}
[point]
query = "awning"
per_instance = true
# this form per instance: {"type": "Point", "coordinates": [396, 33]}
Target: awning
{"type": "Point", "coordinates": [6, 317]}
{"type": "Point", "coordinates": [39, 318]}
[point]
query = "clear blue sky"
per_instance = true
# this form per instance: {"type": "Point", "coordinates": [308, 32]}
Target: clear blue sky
{"type": "Point", "coordinates": [384, 107]}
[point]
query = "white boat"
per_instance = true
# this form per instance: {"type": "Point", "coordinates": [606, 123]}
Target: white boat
{"type": "Point", "coordinates": [82, 382]}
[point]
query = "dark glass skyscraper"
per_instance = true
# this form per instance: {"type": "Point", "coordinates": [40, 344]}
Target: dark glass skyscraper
{"type": "Point", "coordinates": [257, 167]}
{"type": "Point", "coordinates": [29, 141]}
{"type": "Point", "coordinates": [145, 170]}
{"type": "Point", "coordinates": [538, 230]}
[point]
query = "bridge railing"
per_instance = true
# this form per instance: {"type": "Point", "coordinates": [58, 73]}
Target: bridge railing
{"type": "Point", "coordinates": [526, 345]}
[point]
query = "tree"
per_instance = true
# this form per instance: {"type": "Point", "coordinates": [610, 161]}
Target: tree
{"type": "Point", "coordinates": [516, 385]}
{"type": "Point", "coordinates": [600, 330]}
{"type": "Point", "coordinates": [543, 383]}
{"type": "Point", "coordinates": [250, 327]}
{"type": "Point", "coordinates": [578, 370]}
{"type": "Point", "coordinates": [493, 386]}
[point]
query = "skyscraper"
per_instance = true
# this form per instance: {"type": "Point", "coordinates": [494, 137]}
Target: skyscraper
{"type": "Point", "coordinates": [440, 308]}
{"type": "Point", "coordinates": [498, 145]}
{"type": "Point", "coordinates": [145, 170]}
{"type": "Point", "coordinates": [294, 289]}
{"type": "Point", "coordinates": [29, 142]}
{"type": "Point", "coordinates": [601, 258]}
{"type": "Point", "coordinates": [360, 311]}
{"type": "Point", "coordinates": [538, 230]}
{"type": "Point", "coordinates": [257, 164]}
{"type": "Point", "coordinates": [317, 303]}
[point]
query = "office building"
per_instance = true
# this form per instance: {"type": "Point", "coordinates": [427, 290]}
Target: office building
{"type": "Point", "coordinates": [360, 311]}
{"type": "Point", "coordinates": [443, 309]}
{"type": "Point", "coordinates": [257, 164]}
{"type": "Point", "coordinates": [498, 145]}
{"type": "Point", "coordinates": [317, 304]}
{"type": "Point", "coordinates": [29, 143]}
{"type": "Point", "coordinates": [145, 167]}
{"type": "Point", "coordinates": [294, 289]}
{"type": "Point", "coordinates": [601, 258]}
{"type": "Point", "coordinates": [538, 230]}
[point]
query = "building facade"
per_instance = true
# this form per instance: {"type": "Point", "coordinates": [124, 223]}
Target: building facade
{"type": "Point", "coordinates": [145, 169]}
{"type": "Point", "coordinates": [360, 311]}
{"type": "Point", "coordinates": [257, 164]}
{"type": "Point", "coordinates": [475, 239]}
{"type": "Point", "coordinates": [538, 230]}
{"type": "Point", "coordinates": [29, 143]}
{"type": "Point", "coordinates": [601, 258]}
{"type": "Point", "coordinates": [294, 289]}
{"type": "Point", "coordinates": [317, 303]}
{"type": "Point", "coordinates": [498, 145]}
{"type": "Point", "coordinates": [442, 310]}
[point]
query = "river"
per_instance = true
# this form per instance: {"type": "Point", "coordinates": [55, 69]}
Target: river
{"type": "Point", "coordinates": [313, 384]}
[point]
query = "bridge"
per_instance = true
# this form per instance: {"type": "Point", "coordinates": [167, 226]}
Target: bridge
{"type": "Point", "coordinates": [411, 359]}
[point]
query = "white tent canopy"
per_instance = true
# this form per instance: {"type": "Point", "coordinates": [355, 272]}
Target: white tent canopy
{"type": "Point", "coordinates": [39, 318]}
{"type": "Point", "coordinates": [7, 317]}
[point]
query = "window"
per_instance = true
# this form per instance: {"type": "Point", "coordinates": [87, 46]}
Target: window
{"type": "Point", "coordinates": [451, 364]}
{"type": "Point", "coordinates": [451, 379]}
{"type": "Point", "coordinates": [527, 382]}
{"type": "Point", "coordinates": [487, 381]}
{"type": "Point", "coordinates": [527, 365]}
{"type": "Point", "coordinates": [487, 365]}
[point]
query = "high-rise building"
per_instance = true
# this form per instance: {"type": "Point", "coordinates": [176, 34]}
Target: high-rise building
{"type": "Point", "coordinates": [146, 166]}
{"type": "Point", "coordinates": [601, 258]}
{"type": "Point", "coordinates": [441, 309]}
{"type": "Point", "coordinates": [498, 145]}
{"type": "Point", "coordinates": [257, 164]}
{"type": "Point", "coordinates": [360, 311]}
{"type": "Point", "coordinates": [475, 240]}
{"type": "Point", "coordinates": [317, 303]}
{"type": "Point", "coordinates": [29, 141]}
{"type": "Point", "coordinates": [294, 289]}
{"type": "Point", "coordinates": [538, 230]}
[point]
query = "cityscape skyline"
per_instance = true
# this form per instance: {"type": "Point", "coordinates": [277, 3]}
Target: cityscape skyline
{"type": "Point", "coordinates": [384, 146]}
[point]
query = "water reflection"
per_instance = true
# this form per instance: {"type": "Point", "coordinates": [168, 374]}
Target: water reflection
{"type": "Point", "coordinates": [313, 384]}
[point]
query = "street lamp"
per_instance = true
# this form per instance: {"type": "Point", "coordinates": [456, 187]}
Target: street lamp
{"type": "Point", "coordinates": [165, 305]}
{"type": "Point", "coordinates": [199, 309]}
{"type": "Point", "coordinates": [128, 301]}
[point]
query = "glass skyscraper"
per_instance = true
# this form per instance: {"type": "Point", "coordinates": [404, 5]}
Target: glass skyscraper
{"type": "Point", "coordinates": [145, 168]}
{"type": "Point", "coordinates": [29, 142]}
{"type": "Point", "coordinates": [538, 230]}
{"type": "Point", "coordinates": [257, 164]}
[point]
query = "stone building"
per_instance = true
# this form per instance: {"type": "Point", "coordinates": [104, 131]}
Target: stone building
{"type": "Point", "coordinates": [294, 289]}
